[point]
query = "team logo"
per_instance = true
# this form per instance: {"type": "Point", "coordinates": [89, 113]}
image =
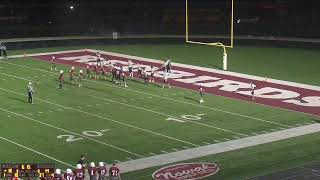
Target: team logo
{"type": "Point", "coordinates": [186, 171]}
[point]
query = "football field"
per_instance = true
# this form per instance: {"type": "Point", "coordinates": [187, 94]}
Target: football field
{"type": "Point", "coordinates": [115, 124]}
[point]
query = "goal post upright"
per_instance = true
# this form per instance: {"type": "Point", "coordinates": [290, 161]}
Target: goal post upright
{"type": "Point", "coordinates": [217, 44]}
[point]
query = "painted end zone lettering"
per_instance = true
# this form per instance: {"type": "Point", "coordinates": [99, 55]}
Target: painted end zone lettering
{"type": "Point", "coordinates": [287, 95]}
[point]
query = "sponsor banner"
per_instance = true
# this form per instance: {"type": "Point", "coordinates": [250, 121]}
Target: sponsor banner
{"type": "Point", "coordinates": [291, 96]}
{"type": "Point", "coordinates": [186, 171]}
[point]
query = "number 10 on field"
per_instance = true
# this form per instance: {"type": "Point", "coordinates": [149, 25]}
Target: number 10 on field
{"type": "Point", "coordinates": [184, 118]}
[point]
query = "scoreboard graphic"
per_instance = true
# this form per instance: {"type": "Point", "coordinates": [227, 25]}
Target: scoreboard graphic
{"type": "Point", "coordinates": [27, 170]}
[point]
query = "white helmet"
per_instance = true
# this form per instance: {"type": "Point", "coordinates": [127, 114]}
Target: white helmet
{"type": "Point", "coordinates": [72, 68]}
{"type": "Point", "coordinates": [69, 171]}
{"type": "Point", "coordinates": [79, 166]}
{"type": "Point", "coordinates": [53, 57]}
{"type": "Point", "coordinates": [101, 164]}
{"type": "Point", "coordinates": [58, 171]}
{"type": "Point", "coordinates": [30, 83]}
{"type": "Point", "coordinates": [61, 71]}
{"type": "Point", "coordinates": [92, 164]}
{"type": "Point", "coordinates": [80, 71]}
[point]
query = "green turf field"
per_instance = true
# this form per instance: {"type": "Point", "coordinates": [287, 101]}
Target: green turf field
{"type": "Point", "coordinates": [110, 123]}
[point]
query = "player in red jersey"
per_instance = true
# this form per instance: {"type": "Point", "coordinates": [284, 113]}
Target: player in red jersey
{"type": "Point", "coordinates": [71, 74]}
{"type": "Point", "coordinates": [114, 173]}
{"type": "Point", "coordinates": [68, 175]}
{"type": "Point", "coordinates": [97, 71]}
{"type": "Point", "coordinates": [61, 79]}
{"type": "Point", "coordinates": [104, 72]}
{"type": "Point", "coordinates": [92, 171]}
{"type": "Point", "coordinates": [88, 71]}
{"type": "Point", "coordinates": [102, 171]}
{"type": "Point", "coordinates": [57, 175]}
{"type": "Point", "coordinates": [53, 63]}
{"type": "Point", "coordinates": [78, 172]}
{"type": "Point", "coordinates": [201, 91]}
{"type": "Point", "coordinates": [139, 70]}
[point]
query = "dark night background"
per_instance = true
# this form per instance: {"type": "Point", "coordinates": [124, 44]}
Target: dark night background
{"type": "Point", "coordinates": [35, 18]}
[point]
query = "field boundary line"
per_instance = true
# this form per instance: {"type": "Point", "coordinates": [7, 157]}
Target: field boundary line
{"type": "Point", "coordinates": [218, 148]}
{"type": "Point", "coordinates": [167, 115]}
{"type": "Point", "coordinates": [35, 151]}
{"type": "Point", "coordinates": [175, 100]}
{"type": "Point", "coordinates": [109, 119]}
{"type": "Point", "coordinates": [71, 132]}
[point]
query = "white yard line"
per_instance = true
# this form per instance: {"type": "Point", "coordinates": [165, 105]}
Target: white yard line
{"type": "Point", "coordinates": [175, 100]}
{"type": "Point", "coordinates": [167, 115]}
{"type": "Point", "coordinates": [35, 151]}
{"type": "Point", "coordinates": [64, 130]}
{"type": "Point", "coordinates": [109, 119]}
{"type": "Point", "coordinates": [198, 152]}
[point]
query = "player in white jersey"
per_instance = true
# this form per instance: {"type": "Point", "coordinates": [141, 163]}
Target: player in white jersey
{"type": "Point", "coordinates": [53, 63]}
{"type": "Point", "coordinates": [201, 91]}
{"type": "Point", "coordinates": [252, 88]}
{"type": "Point", "coordinates": [165, 80]}
{"type": "Point", "coordinates": [151, 75]}
{"type": "Point", "coordinates": [130, 64]}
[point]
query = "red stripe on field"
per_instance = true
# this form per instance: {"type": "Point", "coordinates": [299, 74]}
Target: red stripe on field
{"type": "Point", "coordinates": [215, 90]}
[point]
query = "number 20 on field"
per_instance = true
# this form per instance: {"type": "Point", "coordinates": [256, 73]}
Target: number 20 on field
{"type": "Point", "coordinates": [72, 138]}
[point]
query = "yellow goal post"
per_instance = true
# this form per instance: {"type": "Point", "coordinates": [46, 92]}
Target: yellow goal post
{"type": "Point", "coordinates": [217, 44]}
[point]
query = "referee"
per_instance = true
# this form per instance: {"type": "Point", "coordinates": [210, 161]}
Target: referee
{"type": "Point", "coordinates": [30, 93]}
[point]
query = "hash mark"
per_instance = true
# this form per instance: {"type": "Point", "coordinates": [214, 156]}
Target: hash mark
{"type": "Point", "coordinates": [236, 137]}
{"type": "Point", "coordinates": [185, 147]}
{"type": "Point", "coordinates": [129, 158]}
{"type": "Point", "coordinates": [60, 110]}
{"type": "Point", "coordinates": [105, 130]}
{"type": "Point", "coordinates": [255, 133]}
{"type": "Point", "coordinates": [207, 143]}
{"type": "Point", "coordinates": [117, 161]}
{"type": "Point", "coordinates": [50, 111]}
{"type": "Point", "coordinates": [30, 114]}
{"type": "Point", "coordinates": [174, 149]}
{"type": "Point", "coordinates": [200, 114]}
{"type": "Point", "coordinates": [216, 141]}
{"type": "Point", "coordinates": [89, 105]}
{"type": "Point", "coordinates": [265, 131]}
{"type": "Point", "coordinates": [165, 152]}
{"type": "Point", "coordinates": [226, 139]}
{"type": "Point", "coordinates": [40, 112]}
{"type": "Point", "coordinates": [273, 130]}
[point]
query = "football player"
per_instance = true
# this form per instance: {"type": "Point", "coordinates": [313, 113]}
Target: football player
{"type": "Point", "coordinates": [123, 76]}
{"type": "Point", "coordinates": [151, 75]}
{"type": "Point", "coordinates": [88, 71]}
{"type": "Point", "coordinates": [30, 93]}
{"type": "Point", "coordinates": [68, 175]}
{"type": "Point", "coordinates": [118, 75]}
{"type": "Point", "coordinates": [71, 74]}
{"type": "Point", "coordinates": [201, 91]}
{"type": "Point", "coordinates": [130, 68]}
{"type": "Point", "coordinates": [114, 72]}
{"type": "Point", "coordinates": [165, 80]}
{"type": "Point", "coordinates": [98, 58]}
{"type": "Point", "coordinates": [139, 70]}
{"type": "Point", "coordinates": [92, 171]}
{"type": "Point", "coordinates": [102, 171]}
{"type": "Point", "coordinates": [57, 175]}
{"type": "Point", "coordinates": [252, 88]}
{"type": "Point", "coordinates": [97, 71]}
{"type": "Point", "coordinates": [81, 76]}
{"type": "Point", "coordinates": [114, 173]}
{"type": "Point", "coordinates": [61, 78]}
{"type": "Point", "coordinates": [145, 75]}
{"type": "Point", "coordinates": [104, 72]}
{"type": "Point", "coordinates": [78, 172]}
{"type": "Point", "coordinates": [53, 63]}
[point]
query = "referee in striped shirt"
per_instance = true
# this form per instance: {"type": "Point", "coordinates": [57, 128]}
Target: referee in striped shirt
{"type": "Point", "coordinates": [30, 93]}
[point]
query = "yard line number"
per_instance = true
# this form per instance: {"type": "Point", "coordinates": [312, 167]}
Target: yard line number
{"type": "Point", "coordinates": [187, 117]}
{"type": "Point", "coordinates": [72, 138]}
